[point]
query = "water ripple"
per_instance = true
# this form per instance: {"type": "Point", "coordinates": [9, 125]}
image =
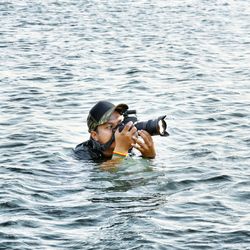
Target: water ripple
{"type": "Point", "coordinates": [160, 57]}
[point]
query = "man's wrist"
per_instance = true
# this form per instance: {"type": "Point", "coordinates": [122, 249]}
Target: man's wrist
{"type": "Point", "coordinates": [121, 150]}
{"type": "Point", "coordinates": [120, 153]}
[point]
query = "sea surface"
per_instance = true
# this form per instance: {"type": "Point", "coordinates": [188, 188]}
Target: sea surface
{"type": "Point", "coordinates": [189, 60]}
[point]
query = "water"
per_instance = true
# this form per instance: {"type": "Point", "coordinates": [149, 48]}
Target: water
{"type": "Point", "coordinates": [187, 59]}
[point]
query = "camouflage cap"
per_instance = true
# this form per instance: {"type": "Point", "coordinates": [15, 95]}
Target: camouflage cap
{"type": "Point", "coordinates": [101, 113]}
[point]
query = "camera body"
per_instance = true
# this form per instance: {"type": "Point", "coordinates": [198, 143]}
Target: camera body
{"type": "Point", "coordinates": [153, 127]}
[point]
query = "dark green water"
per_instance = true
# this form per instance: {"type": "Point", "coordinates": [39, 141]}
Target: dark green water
{"type": "Point", "coordinates": [186, 59]}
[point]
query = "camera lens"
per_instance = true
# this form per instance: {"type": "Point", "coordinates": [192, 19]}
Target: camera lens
{"type": "Point", "coordinates": [154, 127]}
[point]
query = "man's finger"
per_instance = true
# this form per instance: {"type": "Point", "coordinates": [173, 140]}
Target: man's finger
{"type": "Point", "coordinates": [133, 130]}
{"type": "Point", "coordinates": [146, 137]}
{"type": "Point", "coordinates": [139, 144]}
{"type": "Point", "coordinates": [127, 127]}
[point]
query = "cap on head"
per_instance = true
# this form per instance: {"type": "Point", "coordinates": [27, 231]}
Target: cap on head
{"type": "Point", "coordinates": [101, 113]}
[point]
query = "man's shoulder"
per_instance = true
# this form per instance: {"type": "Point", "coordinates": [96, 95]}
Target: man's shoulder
{"type": "Point", "coordinates": [85, 151]}
{"type": "Point", "coordinates": [81, 146]}
{"type": "Point", "coordinates": [82, 151]}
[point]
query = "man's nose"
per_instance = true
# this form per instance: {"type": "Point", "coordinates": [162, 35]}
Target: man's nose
{"type": "Point", "coordinates": [118, 120]}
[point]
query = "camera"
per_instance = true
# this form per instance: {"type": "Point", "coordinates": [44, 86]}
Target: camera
{"type": "Point", "coordinates": [153, 127]}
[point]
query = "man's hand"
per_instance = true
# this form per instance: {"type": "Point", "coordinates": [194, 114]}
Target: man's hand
{"type": "Point", "coordinates": [146, 147]}
{"type": "Point", "coordinates": [124, 139]}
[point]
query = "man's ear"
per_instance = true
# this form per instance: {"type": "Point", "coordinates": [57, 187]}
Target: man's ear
{"type": "Point", "coordinates": [94, 135]}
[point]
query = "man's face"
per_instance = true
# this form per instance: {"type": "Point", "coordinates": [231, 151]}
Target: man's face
{"type": "Point", "coordinates": [104, 132]}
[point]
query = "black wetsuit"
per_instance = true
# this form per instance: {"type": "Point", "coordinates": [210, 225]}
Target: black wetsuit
{"type": "Point", "coordinates": [89, 150]}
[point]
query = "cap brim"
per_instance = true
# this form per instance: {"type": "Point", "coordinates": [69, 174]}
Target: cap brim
{"type": "Point", "coordinates": [121, 108]}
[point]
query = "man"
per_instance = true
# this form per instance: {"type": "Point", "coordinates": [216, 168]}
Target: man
{"type": "Point", "coordinates": [108, 142]}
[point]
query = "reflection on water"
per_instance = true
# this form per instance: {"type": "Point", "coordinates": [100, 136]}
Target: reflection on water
{"type": "Point", "coordinates": [186, 59]}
